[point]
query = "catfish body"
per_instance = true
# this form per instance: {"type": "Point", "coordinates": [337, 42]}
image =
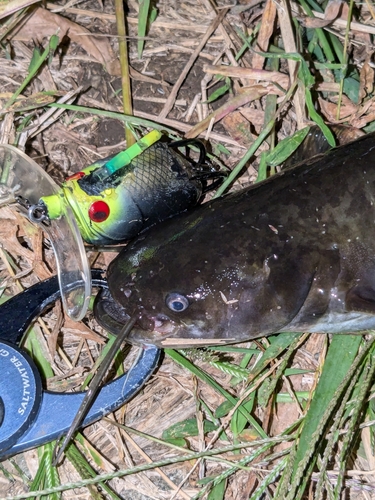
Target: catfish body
{"type": "Point", "coordinates": [293, 253]}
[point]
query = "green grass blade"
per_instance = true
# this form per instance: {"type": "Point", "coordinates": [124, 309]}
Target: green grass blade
{"type": "Point", "coordinates": [112, 114]}
{"type": "Point", "coordinates": [85, 470]}
{"type": "Point", "coordinates": [36, 62]}
{"type": "Point", "coordinates": [333, 381]}
{"type": "Point", "coordinates": [144, 7]}
{"type": "Point", "coordinates": [218, 491]}
{"type": "Point", "coordinates": [181, 360]}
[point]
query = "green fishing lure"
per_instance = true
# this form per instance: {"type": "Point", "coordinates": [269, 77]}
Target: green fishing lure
{"type": "Point", "coordinates": [116, 198]}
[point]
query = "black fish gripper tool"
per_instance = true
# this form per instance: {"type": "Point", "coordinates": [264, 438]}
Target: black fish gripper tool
{"type": "Point", "coordinates": [31, 416]}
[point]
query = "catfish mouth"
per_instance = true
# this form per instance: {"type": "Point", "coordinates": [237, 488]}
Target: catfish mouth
{"type": "Point", "coordinates": [163, 332]}
{"type": "Point", "coordinates": [154, 329]}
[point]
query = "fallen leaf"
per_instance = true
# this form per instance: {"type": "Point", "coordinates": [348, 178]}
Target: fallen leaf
{"type": "Point", "coordinates": [334, 9]}
{"type": "Point", "coordinates": [238, 127]}
{"type": "Point", "coordinates": [43, 23]}
{"type": "Point", "coordinates": [254, 116]}
{"type": "Point", "coordinates": [83, 330]}
{"type": "Point", "coordinates": [366, 80]}
{"type": "Point", "coordinates": [265, 32]}
{"type": "Point", "coordinates": [249, 94]}
{"type": "Point", "coordinates": [362, 121]}
{"type": "Point", "coordinates": [329, 109]}
{"type": "Point", "coordinates": [38, 100]}
{"type": "Point", "coordinates": [10, 7]}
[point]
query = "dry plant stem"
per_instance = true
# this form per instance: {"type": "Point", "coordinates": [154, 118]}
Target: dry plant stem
{"type": "Point", "coordinates": [200, 425]}
{"type": "Point", "coordinates": [250, 73]}
{"type": "Point", "coordinates": [176, 87]}
{"type": "Point", "coordinates": [78, 351]}
{"type": "Point", "coordinates": [250, 94]}
{"type": "Point", "coordinates": [7, 131]}
{"type": "Point", "coordinates": [198, 28]}
{"type": "Point", "coordinates": [187, 48]}
{"type": "Point", "coordinates": [51, 115]}
{"type": "Point", "coordinates": [9, 268]}
{"type": "Point", "coordinates": [8, 8]}
{"type": "Point", "coordinates": [149, 460]}
{"type": "Point", "coordinates": [227, 419]}
{"type": "Point", "coordinates": [204, 82]}
{"type": "Point", "coordinates": [192, 107]}
{"type": "Point", "coordinates": [192, 28]}
{"type": "Point", "coordinates": [366, 440]}
{"type": "Point", "coordinates": [122, 445]}
{"type": "Point", "coordinates": [370, 8]}
{"type": "Point", "coordinates": [124, 61]}
{"type": "Point", "coordinates": [184, 127]}
{"type": "Point", "coordinates": [265, 33]}
{"type": "Point", "coordinates": [175, 124]}
{"type": "Point", "coordinates": [161, 463]}
{"type": "Point", "coordinates": [228, 42]}
{"type": "Point", "coordinates": [209, 129]}
{"type": "Point", "coordinates": [290, 46]}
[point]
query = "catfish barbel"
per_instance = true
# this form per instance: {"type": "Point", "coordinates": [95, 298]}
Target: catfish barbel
{"type": "Point", "coordinates": [294, 253]}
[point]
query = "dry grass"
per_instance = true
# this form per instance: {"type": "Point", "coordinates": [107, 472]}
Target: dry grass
{"type": "Point", "coordinates": [169, 85]}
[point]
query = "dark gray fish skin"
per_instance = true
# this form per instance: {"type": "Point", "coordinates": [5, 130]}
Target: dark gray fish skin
{"type": "Point", "coordinates": [294, 253]}
{"type": "Point", "coordinates": [315, 143]}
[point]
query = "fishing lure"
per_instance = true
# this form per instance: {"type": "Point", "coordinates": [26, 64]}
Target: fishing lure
{"type": "Point", "coordinates": [116, 198]}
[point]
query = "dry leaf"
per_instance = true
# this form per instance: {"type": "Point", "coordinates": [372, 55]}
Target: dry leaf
{"type": "Point", "coordinates": [265, 33]}
{"type": "Point", "coordinates": [334, 9]}
{"type": "Point", "coordinates": [43, 23]}
{"type": "Point", "coordinates": [238, 127]}
{"type": "Point", "coordinates": [10, 241]}
{"type": "Point", "coordinates": [10, 7]}
{"type": "Point", "coordinates": [38, 100]}
{"type": "Point", "coordinates": [52, 338]}
{"type": "Point", "coordinates": [83, 330]}
{"type": "Point", "coordinates": [329, 109]}
{"type": "Point", "coordinates": [249, 94]}
{"type": "Point", "coordinates": [362, 121]}
{"type": "Point", "coordinates": [366, 80]}
{"type": "Point", "coordinates": [254, 116]}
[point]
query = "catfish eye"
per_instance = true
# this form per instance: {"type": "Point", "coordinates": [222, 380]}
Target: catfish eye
{"type": "Point", "coordinates": [176, 302]}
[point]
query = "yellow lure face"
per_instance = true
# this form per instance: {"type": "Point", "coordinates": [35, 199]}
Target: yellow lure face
{"type": "Point", "coordinates": [95, 215]}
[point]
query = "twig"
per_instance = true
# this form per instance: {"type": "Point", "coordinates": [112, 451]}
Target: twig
{"type": "Point", "coordinates": [125, 74]}
{"type": "Point", "coordinates": [290, 46]}
{"type": "Point", "coordinates": [250, 94]}
{"type": "Point", "coordinates": [255, 74]}
{"type": "Point", "coordinates": [171, 99]}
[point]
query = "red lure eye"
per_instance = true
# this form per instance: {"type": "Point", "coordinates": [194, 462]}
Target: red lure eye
{"type": "Point", "coordinates": [99, 211]}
